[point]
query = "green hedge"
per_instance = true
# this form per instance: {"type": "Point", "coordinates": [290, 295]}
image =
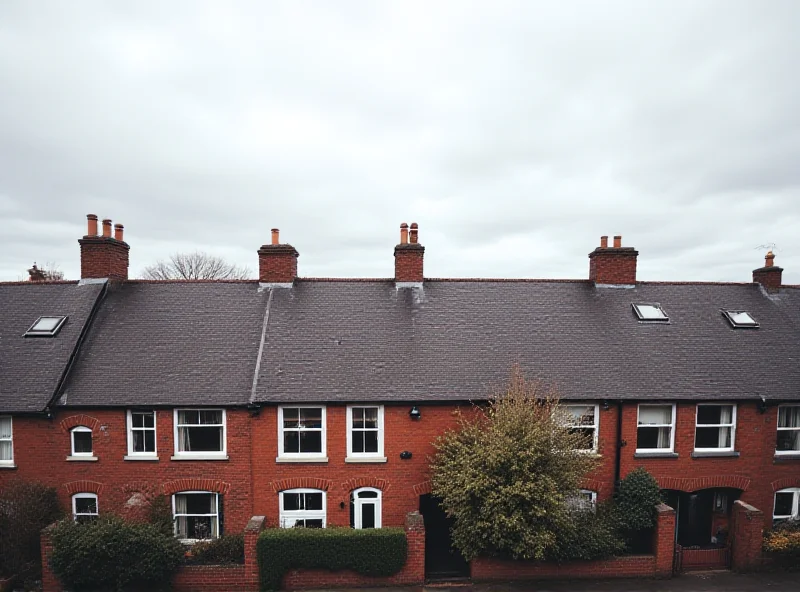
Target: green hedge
{"type": "Point", "coordinates": [110, 554]}
{"type": "Point", "coordinates": [370, 552]}
{"type": "Point", "coordinates": [226, 549]}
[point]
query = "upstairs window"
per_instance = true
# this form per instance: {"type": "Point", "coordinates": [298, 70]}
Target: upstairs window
{"type": "Point", "coordinates": [740, 319]}
{"type": "Point", "coordinates": [301, 432]}
{"type": "Point", "coordinates": [196, 515]}
{"type": "Point", "coordinates": [786, 504]}
{"type": "Point", "coordinates": [142, 433]}
{"type": "Point", "coordinates": [583, 419]}
{"type": "Point", "coordinates": [365, 432]}
{"type": "Point", "coordinates": [365, 508]}
{"type": "Point", "coordinates": [6, 442]}
{"type": "Point", "coordinates": [788, 430]}
{"type": "Point", "coordinates": [81, 438]}
{"type": "Point", "coordinates": [46, 327]}
{"type": "Point", "coordinates": [302, 508]}
{"type": "Point", "coordinates": [656, 428]}
{"type": "Point", "coordinates": [84, 507]}
{"type": "Point", "coordinates": [199, 432]}
{"type": "Point", "coordinates": [650, 312]}
{"type": "Point", "coordinates": [714, 427]}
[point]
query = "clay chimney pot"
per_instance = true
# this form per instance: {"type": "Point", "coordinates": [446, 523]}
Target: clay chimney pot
{"type": "Point", "coordinates": [107, 228]}
{"type": "Point", "coordinates": [404, 233]}
{"type": "Point", "coordinates": [617, 242]}
{"type": "Point", "coordinates": [92, 225]}
{"type": "Point", "coordinates": [118, 230]}
{"type": "Point", "coordinates": [276, 236]}
{"type": "Point", "coordinates": [603, 242]}
{"type": "Point", "coordinates": [413, 233]}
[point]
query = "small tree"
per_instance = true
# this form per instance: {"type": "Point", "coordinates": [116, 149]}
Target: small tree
{"type": "Point", "coordinates": [635, 506]}
{"type": "Point", "coordinates": [49, 272]}
{"type": "Point", "coordinates": [505, 473]}
{"type": "Point", "coordinates": [195, 266]}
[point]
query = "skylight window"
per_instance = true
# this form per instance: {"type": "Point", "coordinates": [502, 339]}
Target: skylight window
{"type": "Point", "coordinates": [740, 319]}
{"type": "Point", "coordinates": [46, 327]}
{"type": "Point", "coordinates": [650, 312]}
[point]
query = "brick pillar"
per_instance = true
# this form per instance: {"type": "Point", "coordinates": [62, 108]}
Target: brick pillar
{"type": "Point", "coordinates": [415, 535]}
{"type": "Point", "coordinates": [747, 535]}
{"type": "Point", "coordinates": [251, 532]}
{"type": "Point", "coordinates": [49, 581]}
{"type": "Point", "coordinates": [664, 540]}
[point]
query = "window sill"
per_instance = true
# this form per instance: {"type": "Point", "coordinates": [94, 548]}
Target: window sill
{"type": "Point", "coordinates": [300, 459]}
{"type": "Point", "coordinates": [639, 454]}
{"type": "Point", "coordinates": [793, 456]}
{"type": "Point", "coordinates": [713, 454]}
{"type": "Point", "coordinates": [4, 465]}
{"type": "Point", "coordinates": [365, 459]}
{"type": "Point", "coordinates": [82, 458]}
{"type": "Point", "coordinates": [199, 457]}
{"type": "Point", "coordinates": [140, 457]}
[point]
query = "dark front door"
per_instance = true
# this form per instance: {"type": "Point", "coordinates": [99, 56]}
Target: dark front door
{"type": "Point", "coordinates": [442, 561]}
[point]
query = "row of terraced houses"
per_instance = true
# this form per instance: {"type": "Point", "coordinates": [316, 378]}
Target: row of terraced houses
{"type": "Point", "coordinates": [315, 401]}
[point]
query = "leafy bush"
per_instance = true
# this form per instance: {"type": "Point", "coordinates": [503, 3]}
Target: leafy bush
{"type": "Point", "coordinates": [784, 539]}
{"type": "Point", "coordinates": [226, 549]}
{"type": "Point", "coordinates": [588, 536]}
{"type": "Point", "coordinates": [370, 552]}
{"type": "Point", "coordinates": [506, 472]}
{"type": "Point", "coordinates": [111, 554]}
{"type": "Point", "coordinates": [25, 509]}
{"type": "Point", "coordinates": [635, 507]}
{"type": "Point", "coordinates": [160, 515]}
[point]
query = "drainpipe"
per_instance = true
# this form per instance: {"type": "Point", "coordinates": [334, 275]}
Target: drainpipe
{"type": "Point", "coordinates": [620, 444]}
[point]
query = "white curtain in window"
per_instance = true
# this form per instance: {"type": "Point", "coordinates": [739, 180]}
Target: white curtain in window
{"type": "Point", "coordinates": [181, 522]}
{"type": "Point", "coordinates": [664, 437]}
{"type": "Point", "coordinates": [725, 417]}
{"type": "Point", "coordinates": [789, 417]}
{"type": "Point", "coordinates": [5, 438]}
{"type": "Point", "coordinates": [655, 415]}
{"type": "Point", "coordinates": [185, 440]}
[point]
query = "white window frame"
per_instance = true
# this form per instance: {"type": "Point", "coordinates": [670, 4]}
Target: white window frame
{"type": "Point", "coordinates": [795, 515]}
{"type": "Point", "coordinates": [72, 432]}
{"type": "Point", "coordinates": [379, 455]}
{"type": "Point", "coordinates": [592, 498]}
{"type": "Point", "coordinates": [10, 461]}
{"type": "Point", "coordinates": [77, 496]}
{"type": "Point", "coordinates": [154, 429]}
{"type": "Point", "coordinates": [199, 454]}
{"type": "Point", "coordinates": [731, 425]}
{"type": "Point", "coordinates": [780, 429]}
{"type": "Point", "coordinates": [321, 456]}
{"type": "Point", "coordinates": [595, 426]}
{"type": "Point", "coordinates": [660, 425]}
{"type": "Point", "coordinates": [372, 501]}
{"type": "Point", "coordinates": [214, 515]}
{"type": "Point", "coordinates": [295, 515]}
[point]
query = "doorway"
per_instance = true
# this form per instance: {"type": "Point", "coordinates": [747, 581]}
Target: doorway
{"type": "Point", "coordinates": [442, 561]}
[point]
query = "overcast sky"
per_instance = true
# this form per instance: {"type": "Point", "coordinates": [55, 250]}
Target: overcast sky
{"type": "Point", "coordinates": [514, 133]}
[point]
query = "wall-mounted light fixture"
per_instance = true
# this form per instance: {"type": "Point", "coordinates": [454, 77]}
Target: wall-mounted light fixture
{"type": "Point", "coordinates": [606, 404]}
{"type": "Point", "coordinates": [341, 505]}
{"type": "Point", "coordinates": [762, 405]}
{"type": "Point", "coordinates": [405, 455]}
{"type": "Point", "coordinates": [414, 413]}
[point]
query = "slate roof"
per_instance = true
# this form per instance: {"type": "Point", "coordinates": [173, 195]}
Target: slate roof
{"type": "Point", "coordinates": [31, 367]}
{"type": "Point", "coordinates": [171, 343]}
{"type": "Point", "coordinates": [331, 341]}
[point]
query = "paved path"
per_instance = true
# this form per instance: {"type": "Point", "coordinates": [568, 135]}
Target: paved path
{"type": "Point", "coordinates": [693, 582]}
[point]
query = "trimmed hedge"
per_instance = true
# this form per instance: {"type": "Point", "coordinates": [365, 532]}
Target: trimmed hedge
{"type": "Point", "coordinates": [369, 552]}
{"type": "Point", "coordinates": [111, 554]}
{"type": "Point", "coordinates": [226, 549]}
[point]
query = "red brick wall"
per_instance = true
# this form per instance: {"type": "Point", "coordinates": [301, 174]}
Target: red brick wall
{"type": "Point", "coordinates": [613, 266]}
{"type": "Point", "coordinates": [41, 447]}
{"type": "Point", "coordinates": [408, 263]}
{"type": "Point", "coordinates": [104, 258]}
{"type": "Point", "coordinates": [747, 537]}
{"type": "Point", "coordinates": [277, 264]}
{"type": "Point", "coordinates": [413, 573]}
{"type": "Point", "coordinates": [664, 541]}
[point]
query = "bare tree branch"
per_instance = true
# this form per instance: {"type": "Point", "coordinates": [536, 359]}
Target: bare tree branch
{"type": "Point", "coordinates": [48, 272]}
{"type": "Point", "coordinates": [195, 266]}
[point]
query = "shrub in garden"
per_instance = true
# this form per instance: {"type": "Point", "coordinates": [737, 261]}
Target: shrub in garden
{"type": "Point", "coordinates": [370, 552]}
{"type": "Point", "coordinates": [25, 509]}
{"type": "Point", "coordinates": [783, 542]}
{"type": "Point", "coordinates": [111, 554]}
{"type": "Point", "coordinates": [160, 514]}
{"type": "Point", "coordinates": [589, 535]}
{"type": "Point", "coordinates": [635, 508]}
{"type": "Point", "coordinates": [226, 549]}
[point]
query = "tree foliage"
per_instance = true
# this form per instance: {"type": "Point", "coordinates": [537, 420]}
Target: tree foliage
{"type": "Point", "coordinates": [47, 273]}
{"type": "Point", "coordinates": [505, 473]}
{"type": "Point", "coordinates": [636, 500]}
{"type": "Point", "coordinates": [195, 266]}
{"type": "Point", "coordinates": [25, 509]}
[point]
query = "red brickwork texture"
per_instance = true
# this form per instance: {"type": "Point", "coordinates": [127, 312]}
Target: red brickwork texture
{"type": "Point", "coordinates": [613, 266]}
{"type": "Point", "coordinates": [408, 263]}
{"type": "Point", "coordinates": [104, 258]}
{"type": "Point", "coordinates": [277, 264]}
{"type": "Point", "coordinates": [747, 530]}
{"type": "Point", "coordinates": [664, 541]}
{"type": "Point", "coordinates": [769, 277]}
{"type": "Point", "coordinates": [413, 573]}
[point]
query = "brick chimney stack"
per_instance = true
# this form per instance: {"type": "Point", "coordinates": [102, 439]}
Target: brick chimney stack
{"type": "Point", "coordinates": [408, 256]}
{"type": "Point", "coordinates": [613, 265]}
{"type": "Point", "coordinates": [103, 256]}
{"type": "Point", "coordinates": [770, 276]}
{"type": "Point", "coordinates": [277, 263]}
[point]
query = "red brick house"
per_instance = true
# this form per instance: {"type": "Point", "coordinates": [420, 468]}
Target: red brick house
{"type": "Point", "coordinates": [315, 401]}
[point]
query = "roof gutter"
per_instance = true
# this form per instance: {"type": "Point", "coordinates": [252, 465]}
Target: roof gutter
{"type": "Point", "coordinates": [74, 355]}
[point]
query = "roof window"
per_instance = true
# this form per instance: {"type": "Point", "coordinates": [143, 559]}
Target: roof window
{"type": "Point", "coordinates": [650, 312]}
{"type": "Point", "coordinates": [46, 327]}
{"type": "Point", "coordinates": [740, 319]}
